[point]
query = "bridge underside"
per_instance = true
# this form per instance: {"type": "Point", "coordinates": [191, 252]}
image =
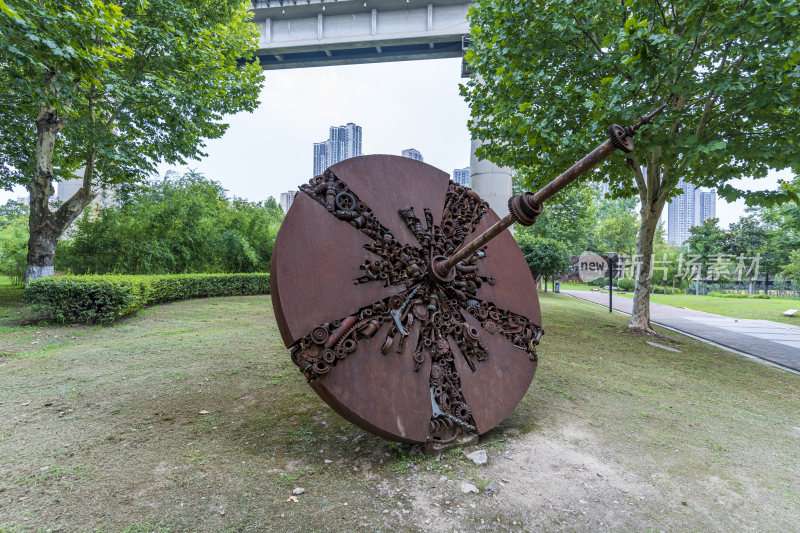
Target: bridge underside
{"type": "Point", "coordinates": [312, 33]}
{"type": "Point", "coordinates": [355, 55]}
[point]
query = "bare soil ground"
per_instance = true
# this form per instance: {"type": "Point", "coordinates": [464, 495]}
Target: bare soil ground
{"type": "Point", "coordinates": [101, 430]}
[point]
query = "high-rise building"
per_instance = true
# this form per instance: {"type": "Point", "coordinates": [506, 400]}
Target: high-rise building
{"type": "Point", "coordinates": [287, 198]}
{"type": "Point", "coordinates": [413, 153]}
{"type": "Point", "coordinates": [320, 157]}
{"type": "Point", "coordinates": [106, 196]}
{"type": "Point", "coordinates": [66, 189]}
{"type": "Point", "coordinates": [461, 176]}
{"type": "Point", "coordinates": [708, 205]}
{"type": "Point", "coordinates": [687, 210]}
{"type": "Point", "coordinates": [343, 143]}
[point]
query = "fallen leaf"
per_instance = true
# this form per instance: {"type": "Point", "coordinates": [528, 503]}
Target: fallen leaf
{"type": "Point", "coordinates": [221, 512]}
{"type": "Point", "coordinates": [504, 480]}
{"type": "Point", "coordinates": [204, 412]}
{"type": "Point", "coordinates": [26, 403]}
{"type": "Point", "coordinates": [292, 499]}
{"type": "Point", "coordinates": [34, 342]}
{"type": "Point", "coordinates": [22, 498]}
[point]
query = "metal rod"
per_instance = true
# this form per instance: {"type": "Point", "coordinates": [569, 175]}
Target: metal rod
{"type": "Point", "coordinates": [575, 171]}
{"type": "Point", "coordinates": [529, 205]}
{"type": "Point", "coordinates": [496, 229]}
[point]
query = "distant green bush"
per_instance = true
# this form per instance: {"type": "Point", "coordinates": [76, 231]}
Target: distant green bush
{"type": "Point", "coordinates": [13, 241]}
{"type": "Point", "coordinates": [103, 299]}
{"type": "Point", "coordinates": [177, 225]}
{"type": "Point", "coordinates": [719, 294]}
{"type": "Point", "coordinates": [627, 284]}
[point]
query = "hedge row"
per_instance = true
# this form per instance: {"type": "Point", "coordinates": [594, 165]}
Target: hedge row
{"type": "Point", "coordinates": [721, 294]}
{"type": "Point", "coordinates": [104, 299]}
{"type": "Point", "coordinates": [626, 284]}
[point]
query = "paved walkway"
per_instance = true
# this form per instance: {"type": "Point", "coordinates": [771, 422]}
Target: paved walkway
{"type": "Point", "coordinates": [775, 342]}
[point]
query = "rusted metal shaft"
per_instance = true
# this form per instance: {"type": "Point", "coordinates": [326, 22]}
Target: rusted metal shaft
{"type": "Point", "coordinates": [524, 208]}
{"type": "Point", "coordinates": [595, 157]}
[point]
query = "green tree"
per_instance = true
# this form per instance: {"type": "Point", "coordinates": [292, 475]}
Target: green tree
{"type": "Point", "coordinates": [744, 240]}
{"type": "Point", "coordinates": [104, 90]}
{"type": "Point", "coordinates": [783, 227]}
{"type": "Point", "coordinates": [617, 233]}
{"type": "Point", "coordinates": [552, 76]}
{"type": "Point", "coordinates": [176, 225]}
{"type": "Point", "coordinates": [706, 244]}
{"type": "Point", "coordinates": [545, 257]}
{"type": "Point", "coordinates": [12, 209]}
{"type": "Point", "coordinates": [774, 254]}
{"type": "Point", "coordinates": [607, 207]}
{"type": "Point", "coordinates": [666, 265]}
{"type": "Point", "coordinates": [13, 240]}
{"type": "Point", "coordinates": [568, 219]}
{"type": "Point", "coordinates": [792, 269]}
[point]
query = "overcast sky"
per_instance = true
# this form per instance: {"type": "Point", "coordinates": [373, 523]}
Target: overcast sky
{"type": "Point", "coordinates": [398, 105]}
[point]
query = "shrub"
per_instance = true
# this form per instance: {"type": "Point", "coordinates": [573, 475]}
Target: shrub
{"type": "Point", "coordinates": [104, 299]}
{"type": "Point", "coordinates": [178, 225]}
{"type": "Point", "coordinates": [13, 241]}
{"type": "Point", "coordinates": [719, 294]}
{"type": "Point", "coordinates": [603, 282]}
{"type": "Point", "coordinates": [627, 284]}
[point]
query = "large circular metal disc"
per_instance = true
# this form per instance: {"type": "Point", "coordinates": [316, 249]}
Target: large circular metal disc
{"type": "Point", "coordinates": [389, 345]}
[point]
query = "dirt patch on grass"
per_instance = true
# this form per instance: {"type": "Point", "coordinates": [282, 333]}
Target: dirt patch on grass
{"type": "Point", "coordinates": [651, 335]}
{"type": "Point", "coordinates": [191, 417]}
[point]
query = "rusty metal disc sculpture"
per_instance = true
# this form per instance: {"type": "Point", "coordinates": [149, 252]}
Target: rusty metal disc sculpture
{"type": "Point", "coordinates": [406, 304]}
{"type": "Point", "coordinates": [392, 347]}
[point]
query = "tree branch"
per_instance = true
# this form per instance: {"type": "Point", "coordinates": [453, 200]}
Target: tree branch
{"type": "Point", "coordinates": [72, 208]}
{"type": "Point", "coordinates": [633, 163]}
{"type": "Point", "coordinates": [592, 39]}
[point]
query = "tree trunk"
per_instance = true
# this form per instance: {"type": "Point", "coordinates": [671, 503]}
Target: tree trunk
{"type": "Point", "coordinates": [44, 225]}
{"type": "Point", "coordinates": [640, 316]}
{"type": "Point", "coordinates": [42, 241]}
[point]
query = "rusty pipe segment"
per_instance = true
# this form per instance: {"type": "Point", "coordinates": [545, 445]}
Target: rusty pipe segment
{"type": "Point", "coordinates": [524, 208]}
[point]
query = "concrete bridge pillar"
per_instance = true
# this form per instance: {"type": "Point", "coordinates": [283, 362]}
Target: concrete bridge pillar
{"type": "Point", "coordinates": [491, 182]}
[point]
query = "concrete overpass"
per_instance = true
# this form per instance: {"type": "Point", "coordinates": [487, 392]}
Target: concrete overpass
{"type": "Point", "coordinates": [314, 33]}
{"type": "Point", "coordinates": [306, 33]}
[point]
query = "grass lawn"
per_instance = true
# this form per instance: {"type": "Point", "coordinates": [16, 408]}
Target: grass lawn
{"type": "Point", "coordinates": [767, 309]}
{"type": "Point", "coordinates": [771, 309]}
{"type": "Point", "coordinates": [101, 430]}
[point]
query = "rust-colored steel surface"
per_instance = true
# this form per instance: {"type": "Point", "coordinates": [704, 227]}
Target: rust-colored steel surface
{"type": "Point", "coordinates": [392, 346]}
